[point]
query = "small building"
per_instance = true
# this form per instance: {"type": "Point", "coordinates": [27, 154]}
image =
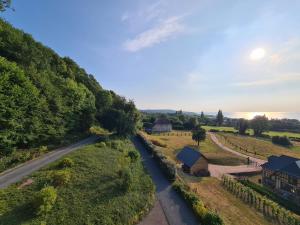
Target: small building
{"type": "Point", "coordinates": [162, 125]}
{"type": "Point", "coordinates": [282, 175]}
{"type": "Point", "coordinates": [193, 162]}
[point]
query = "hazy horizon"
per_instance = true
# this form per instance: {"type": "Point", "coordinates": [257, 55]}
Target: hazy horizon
{"type": "Point", "coordinates": [195, 55]}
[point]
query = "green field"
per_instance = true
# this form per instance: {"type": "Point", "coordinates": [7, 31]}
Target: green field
{"type": "Point", "coordinates": [270, 133]}
{"type": "Point", "coordinates": [256, 147]}
{"type": "Point", "coordinates": [106, 187]}
{"type": "Point", "coordinates": [176, 140]}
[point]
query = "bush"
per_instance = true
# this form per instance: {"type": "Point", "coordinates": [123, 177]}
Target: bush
{"type": "Point", "coordinates": [66, 163]}
{"type": "Point", "coordinates": [283, 141]}
{"type": "Point", "coordinates": [133, 155]}
{"type": "Point", "coordinates": [45, 200]}
{"type": "Point", "coordinates": [204, 215]}
{"type": "Point", "coordinates": [101, 144]}
{"type": "Point", "coordinates": [214, 130]}
{"type": "Point", "coordinates": [43, 149]}
{"type": "Point", "coordinates": [61, 177]}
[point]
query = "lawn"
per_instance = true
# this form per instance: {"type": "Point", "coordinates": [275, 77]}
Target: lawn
{"type": "Point", "coordinates": [208, 128]}
{"type": "Point", "coordinates": [232, 210]}
{"type": "Point", "coordinates": [256, 147]}
{"type": "Point", "coordinates": [106, 187]}
{"type": "Point", "coordinates": [175, 141]}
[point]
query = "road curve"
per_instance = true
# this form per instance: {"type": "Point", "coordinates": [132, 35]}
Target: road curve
{"type": "Point", "coordinates": [174, 207]}
{"type": "Point", "coordinates": [18, 173]}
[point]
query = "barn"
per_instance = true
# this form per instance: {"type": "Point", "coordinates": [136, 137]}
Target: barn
{"type": "Point", "coordinates": [162, 125]}
{"type": "Point", "coordinates": [193, 161]}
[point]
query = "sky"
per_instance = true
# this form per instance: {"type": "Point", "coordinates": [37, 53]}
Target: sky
{"type": "Point", "coordinates": [194, 55]}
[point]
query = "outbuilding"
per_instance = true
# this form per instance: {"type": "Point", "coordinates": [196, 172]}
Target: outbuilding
{"type": "Point", "coordinates": [193, 161]}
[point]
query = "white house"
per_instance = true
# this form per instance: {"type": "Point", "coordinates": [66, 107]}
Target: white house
{"type": "Point", "coordinates": [162, 125]}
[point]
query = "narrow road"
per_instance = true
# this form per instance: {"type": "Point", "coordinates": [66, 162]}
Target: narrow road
{"type": "Point", "coordinates": [175, 209]}
{"type": "Point", "coordinates": [18, 173]}
{"type": "Point", "coordinates": [217, 142]}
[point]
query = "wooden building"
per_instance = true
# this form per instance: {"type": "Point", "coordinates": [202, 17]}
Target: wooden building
{"type": "Point", "coordinates": [193, 161]}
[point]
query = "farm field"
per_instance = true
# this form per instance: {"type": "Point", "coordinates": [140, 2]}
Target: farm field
{"type": "Point", "coordinates": [256, 147]}
{"type": "Point", "coordinates": [232, 210]}
{"type": "Point", "coordinates": [175, 141]}
{"type": "Point", "coordinates": [270, 133]}
{"type": "Point", "coordinates": [106, 186]}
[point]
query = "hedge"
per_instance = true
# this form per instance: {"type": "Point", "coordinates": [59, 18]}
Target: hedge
{"type": "Point", "coordinates": [168, 167]}
{"type": "Point", "coordinates": [205, 215]}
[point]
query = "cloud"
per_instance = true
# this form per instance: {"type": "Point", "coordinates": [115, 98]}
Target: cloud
{"type": "Point", "coordinates": [162, 32]}
{"type": "Point", "coordinates": [125, 17]}
{"type": "Point", "coordinates": [267, 82]}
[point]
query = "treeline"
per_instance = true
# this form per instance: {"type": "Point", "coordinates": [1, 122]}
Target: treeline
{"type": "Point", "coordinates": [45, 97]}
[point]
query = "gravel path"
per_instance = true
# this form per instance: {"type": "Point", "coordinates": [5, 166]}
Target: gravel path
{"type": "Point", "coordinates": [18, 173]}
{"type": "Point", "coordinates": [173, 207]}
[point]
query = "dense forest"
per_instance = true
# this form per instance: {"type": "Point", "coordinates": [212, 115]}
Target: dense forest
{"type": "Point", "coordinates": [45, 97]}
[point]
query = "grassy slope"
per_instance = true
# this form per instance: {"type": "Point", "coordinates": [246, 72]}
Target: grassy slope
{"type": "Point", "coordinates": [263, 148]}
{"type": "Point", "coordinates": [94, 195]}
{"type": "Point", "coordinates": [213, 152]}
{"type": "Point", "coordinates": [232, 210]}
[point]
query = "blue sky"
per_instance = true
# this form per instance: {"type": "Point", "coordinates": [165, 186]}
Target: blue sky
{"type": "Point", "coordinates": [193, 55]}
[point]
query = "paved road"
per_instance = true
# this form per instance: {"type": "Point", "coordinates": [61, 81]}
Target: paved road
{"type": "Point", "coordinates": [174, 207]}
{"type": "Point", "coordinates": [215, 140]}
{"type": "Point", "coordinates": [18, 173]}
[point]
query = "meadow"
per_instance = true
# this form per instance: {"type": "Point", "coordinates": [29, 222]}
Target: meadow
{"type": "Point", "coordinates": [171, 143]}
{"type": "Point", "coordinates": [256, 147]}
{"type": "Point", "coordinates": [231, 209]}
{"type": "Point", "coordinates": [250, 131]}
{"type": "Point", "coordinates": [108, 185]}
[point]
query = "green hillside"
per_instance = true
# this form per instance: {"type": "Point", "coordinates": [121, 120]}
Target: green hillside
{"type": "Point", "coordinates": [45, 97]}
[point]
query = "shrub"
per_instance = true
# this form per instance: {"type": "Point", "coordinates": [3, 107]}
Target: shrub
{"type": "Point", "coordinates": [101, 144]}
{"type": "Point", "coordinates": [99, 131]}
{"type": "Point", "coordinates": [159, 143]}
{"type": "Point", "coordinates": [66, 163]}
{"type": "Point", "coordinates": [214, 130]}
{"type": "Point", "coordinates": [167, 167]}
{"type": "Point", "coordinates": [61, 177]}
{"type": "Point", "coordinates": [116, 145]}
{"type": "Point", "coordinates": [211, 218]}
{"type": "Point", "coordinates": [45, 200]}
{"type": "Point", "coordinates": [43, 149]}
{"type": "Point", "coordinates": [133, 155]}
{"type": "Point", "coordinates": [283, 141]}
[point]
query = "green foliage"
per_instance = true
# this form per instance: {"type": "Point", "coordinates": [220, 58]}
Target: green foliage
{"type": "Point", "coordinates": [45, 200]}
{"type": "Point", "coordinates": [205, 215]}
{"type": "Point", "coordinates": [199, 134]}
{"type": "Point", "coordinates": [44, 97]}
{"type": "Point", "coordinates": [99, 131]}
{"type": "Point", "coordinates": [133, 155]}
{"type": "Point", "coordinates": [220, 118]}
{"type": "Point", "coordinates": [66, 163]}
{"type": "Point", "coordinates": [94, 195]}
{"type": "Point", "coordinates": [61, 177]}
{"type": "Point", "coordinates": [259, 124]}
{"type": "Point", "coordinates": [284, 141]}
{"type": "Point", "coordinates": [242, 126]}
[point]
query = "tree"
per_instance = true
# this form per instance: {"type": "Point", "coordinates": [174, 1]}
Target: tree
{"type": "Point", "coordinates": [259, 124]}
{"type": "Point", "coordinates": [4, 4]}
{"type": "Point", "coordinates": [242, 126]}
{"type": "Point", "coordinates": [191, 123]}
{"type": "Point", "coordinates": [199, 134]}
{"type": "Point", "coordinates": [220, 118]}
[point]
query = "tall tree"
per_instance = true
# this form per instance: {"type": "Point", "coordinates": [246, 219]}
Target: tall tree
{"type": "Point", "coordinates": [198, 134]}
{"type": "Point", "coordinates": [220, 118]}
{"type": "Point", "coordinates": [259, 124]}
{"type": "Point", "coordinates": [242, 126]}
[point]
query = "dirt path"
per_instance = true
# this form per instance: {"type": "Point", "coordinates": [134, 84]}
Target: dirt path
{"type": "Point", "coordinates": [216, 141]}
{"type": "Point", "coordinates": [18, 173]}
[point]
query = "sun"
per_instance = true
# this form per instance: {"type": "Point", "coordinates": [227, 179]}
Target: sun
{"type": "Point", "coordinates": [257, 54]}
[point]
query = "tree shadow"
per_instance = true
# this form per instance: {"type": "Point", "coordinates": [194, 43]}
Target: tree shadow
{"type": "Point", "coordinates": [18, 215]}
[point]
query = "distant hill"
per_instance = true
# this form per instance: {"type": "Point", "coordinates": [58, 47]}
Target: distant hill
{"type": "Point", "coordinates": [166, 111]}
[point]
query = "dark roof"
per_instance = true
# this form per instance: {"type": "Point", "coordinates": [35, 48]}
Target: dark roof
{"type": "Point", "coordinates": [189, 156]}
{"type": "Point", "coordinates": [283, 163]}
{"type": "Point", "coordinates": [161, 121]}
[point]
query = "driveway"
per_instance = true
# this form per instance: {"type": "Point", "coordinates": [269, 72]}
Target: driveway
{"type": "Point", "coordinates": [218, 171]}
{"type": "Point", "coordinates": [18, 173]}
{"type": "Point", "coordinates": [259, 162]}
{"type": "Point", "coordinates": [173, 207]}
